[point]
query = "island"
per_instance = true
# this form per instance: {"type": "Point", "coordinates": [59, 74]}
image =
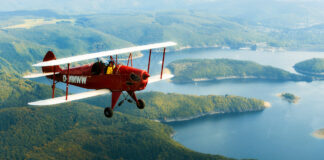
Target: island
{"type": "Point", "coordinates": [319, 134]}
{"type": "Point", "coordinates": [289, 97]}
{"type": "Point", "coordinates": [193, 70]}
{"type": "Point", "coordinates": [178, 107]}
{"type": "Point", "coordinates": [311, 67]}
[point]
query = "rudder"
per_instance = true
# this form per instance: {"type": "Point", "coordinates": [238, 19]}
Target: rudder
{"type": "Point", "coordinates": [48, 57]}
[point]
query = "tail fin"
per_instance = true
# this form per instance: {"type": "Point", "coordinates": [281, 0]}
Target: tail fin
{"type": "Point", "coordinates": [48, 57]}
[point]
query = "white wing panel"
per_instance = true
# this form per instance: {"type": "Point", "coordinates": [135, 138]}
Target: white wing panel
{"type": "Point", "coordinates": [36, 75]}
{"type": "Point", "coordinates": [157, 78]}
{"type": "Point", "coordinates": [104, 54]}
{"type": "Point", "coordinates": [72, 97]}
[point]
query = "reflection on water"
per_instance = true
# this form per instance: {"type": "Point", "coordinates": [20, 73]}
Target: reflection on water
{"type": "Point", "coordinates": [280, 132]}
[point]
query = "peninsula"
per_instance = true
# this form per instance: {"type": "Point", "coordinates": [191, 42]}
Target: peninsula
{"type": "Point", "coordinates": [311, 67]}
{"type": "Point", "coordinates": [193, 70]}
{"type": "Point", "coordinates": [179, 107]}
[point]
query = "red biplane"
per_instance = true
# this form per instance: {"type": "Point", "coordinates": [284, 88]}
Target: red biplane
{"type": "Point", "coordinates": [114, 77]}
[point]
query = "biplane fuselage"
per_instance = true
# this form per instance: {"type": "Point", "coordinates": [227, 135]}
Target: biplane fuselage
{"type": "Point", "coordinates": [123, 78]}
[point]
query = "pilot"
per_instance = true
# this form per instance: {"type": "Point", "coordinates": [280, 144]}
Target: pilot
{"type": "Point", "coordinates": [110, 67]}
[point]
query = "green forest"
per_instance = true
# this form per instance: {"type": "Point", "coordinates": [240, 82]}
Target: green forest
{"type": "Point", "coordinates": [80, 131]}
{"type": "Point", "coordinates": [312, 67]}
{"type": "Point", "coordinates": [189, 70]}
{"type": "Point", "coordinates": [176, 106]}
{"type": "Point", "coordinates": [17, 92]}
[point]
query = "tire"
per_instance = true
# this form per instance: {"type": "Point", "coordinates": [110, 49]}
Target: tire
{"type": "Point", "coordinates": [141, 104]}
{"type": "Point", "coordinates": [108, 112]}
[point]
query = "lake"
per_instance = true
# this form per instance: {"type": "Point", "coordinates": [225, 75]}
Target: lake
{"type": "Point", "coordinates": [280, 132]}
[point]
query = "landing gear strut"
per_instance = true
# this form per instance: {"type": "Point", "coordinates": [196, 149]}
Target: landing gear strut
{"type": "Point", "coordinates": [108, 112]}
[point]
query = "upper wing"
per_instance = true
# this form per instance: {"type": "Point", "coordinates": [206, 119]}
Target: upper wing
{"type": "Point", "coordinates": [104, 54]}
{"type": "Point", "coordinates": [157, 78]}
{"type": "Point", "coordinates": [72, 97]}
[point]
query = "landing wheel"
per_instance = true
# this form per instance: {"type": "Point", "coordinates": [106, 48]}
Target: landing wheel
{"type": "Point", "coordinates": [108, 112]}
{"type": "Point", "coordinates": [141, 104]}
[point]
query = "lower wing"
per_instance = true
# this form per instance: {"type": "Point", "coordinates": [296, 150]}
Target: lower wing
{"type": "Point", "coordinates": [72, 97]}
{"type": "Point", "coordinates": [36, 75]}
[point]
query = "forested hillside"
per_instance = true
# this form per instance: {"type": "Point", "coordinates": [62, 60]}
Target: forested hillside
{"type": "Point", "coordinates": [174, 106]}
{"type": "Point", "coordinates": [189, 29]}
{"type": "Point", "coordinates": [19, 48]}
{"type": "Point", "coordinates": [17, 92]}
{"type": "Point", "coordinates": [24, 39]}
{"type": "Point", "coordinates": [26, 36]}
{"type": "Point", "coordinates": [80, 131]}
{"type": "Point", "coordinates": [312, 67]}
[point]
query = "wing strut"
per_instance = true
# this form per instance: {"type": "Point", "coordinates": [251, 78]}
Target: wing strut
{"type": "Point", "coordinates": [130, 57]}
{"type": "Point", "coordinates": [162, 63]}
{"type": "Point", "coordinates": [53, 86]}
{"type": "Point", "coordinates": [67, 82]}
{"type": "Point", "coordinates": [149, 62]}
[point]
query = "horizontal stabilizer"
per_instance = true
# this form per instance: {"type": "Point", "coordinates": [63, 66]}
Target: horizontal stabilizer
{"type": "Point", "coordinates": [36, 75]}
{"type": "Point", "coordinates": [157, 78]}
{"type": "Point", "coordinates": [104, 54]}
{"type": "Point", "coordinates": [72, 97]}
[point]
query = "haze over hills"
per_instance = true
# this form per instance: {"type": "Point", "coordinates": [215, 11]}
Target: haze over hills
{"type": "Point", "coordinates": [283, 13]}
{"type": "Point", "coordinates": [190, 29]}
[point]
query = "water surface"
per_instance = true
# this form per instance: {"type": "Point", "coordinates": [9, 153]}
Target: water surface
{"type": "Point", "coordinates": [280, 132]}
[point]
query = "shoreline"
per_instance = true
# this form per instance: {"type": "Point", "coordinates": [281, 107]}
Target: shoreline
{"type": "Point", "coordinates": [319, 134]}
{"type": "Point", "coordinates": [235, 78]}
{"type": "Point", "coordinates": [188, 47]}
{"type": "Point", "coordinates": [306, 73]}
{"type": "Point", "coordinates": [265, 105]}
{"type": "Point", "coordinates": [277, 49]}
{"type": "Point", "coordinates": [226, 78]}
